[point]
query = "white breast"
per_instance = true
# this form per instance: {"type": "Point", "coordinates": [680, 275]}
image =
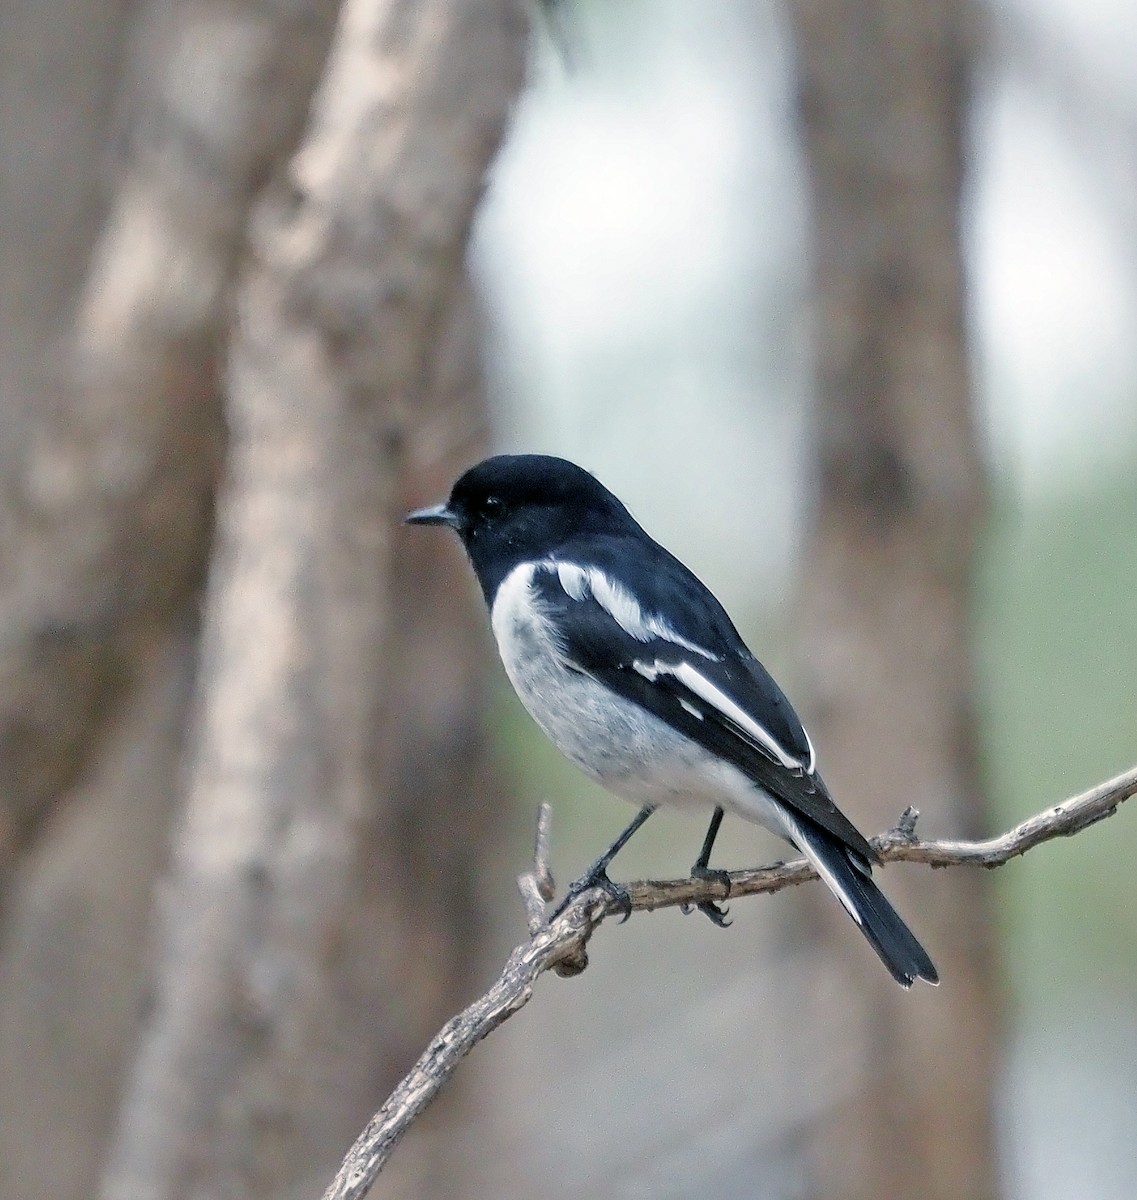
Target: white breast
{"type": "Point", "coordinates": [626, 749]}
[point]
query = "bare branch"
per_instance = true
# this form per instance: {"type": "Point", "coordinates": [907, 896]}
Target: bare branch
{"type": "Point", "coordinates": [562, 941]}
{"type": "Point", "coordinates": [901, 845]}
{"type": "Point", "coordinates": [562, 945]}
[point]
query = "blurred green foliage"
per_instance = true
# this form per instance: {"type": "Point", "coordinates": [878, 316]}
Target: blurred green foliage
{"type": "Point", "coordinates": [1057, 652]}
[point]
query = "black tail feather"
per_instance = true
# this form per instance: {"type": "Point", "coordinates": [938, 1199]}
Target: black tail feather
{"type": "Point", "coordinates": [851, 881]}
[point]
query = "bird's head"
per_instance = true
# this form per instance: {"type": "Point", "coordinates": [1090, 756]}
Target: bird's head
{"type": "Point", "coordinates": [515, 507]}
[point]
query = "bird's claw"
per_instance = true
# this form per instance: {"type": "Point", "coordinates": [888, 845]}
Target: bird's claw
{"type": "Point", "coordinates": [717, 913]}
{"type": "Point", "coordinates": [597, 879]}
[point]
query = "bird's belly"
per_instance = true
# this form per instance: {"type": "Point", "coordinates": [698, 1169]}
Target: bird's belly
{"type": "Point", "coordinates": [626, 749]}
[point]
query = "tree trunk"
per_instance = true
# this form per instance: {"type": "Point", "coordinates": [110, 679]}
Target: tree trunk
{"type": "Point", "coordinates": [306, 839]}
{"type": "Point", "coordinates": [110, 438]}
{"type": "Point", "coordinates": [115, 443]}
{"type": "Point", "coordinates": [888, 575]}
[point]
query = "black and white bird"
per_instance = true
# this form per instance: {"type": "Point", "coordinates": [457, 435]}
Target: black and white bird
{"type": "Point", "coordinates": [634, 670]}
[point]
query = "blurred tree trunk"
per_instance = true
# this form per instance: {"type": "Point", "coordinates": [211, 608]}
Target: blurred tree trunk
{"type": "Point", "coordinates": [139, 136]}
{"type": "Point", "coordinates": [319, 917]}
{"type": "Point", "coordinates": [113, 428]}
{"type": "Point", "coordinates": [124, 190]}
{"type": "Point", "coordinates": [888, 574]}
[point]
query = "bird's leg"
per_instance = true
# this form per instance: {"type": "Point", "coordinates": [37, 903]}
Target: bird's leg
{"type": "Point", "coordinates": [701, 870]}
{"type": "Point", "coordinates": [597, 874]}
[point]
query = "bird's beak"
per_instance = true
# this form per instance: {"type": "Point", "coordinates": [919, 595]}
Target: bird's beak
{"type": "Point", "coordinates": [435, 514]}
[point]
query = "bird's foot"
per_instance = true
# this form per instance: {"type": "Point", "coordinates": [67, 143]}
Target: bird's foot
{"type": "Point", "coordinates": [717, 913]}
{"type": "Point", "coordinates": [596, 877]}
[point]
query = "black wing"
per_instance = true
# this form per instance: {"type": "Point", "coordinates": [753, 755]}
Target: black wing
{"type": "Point", "coordinates": [694, 672]}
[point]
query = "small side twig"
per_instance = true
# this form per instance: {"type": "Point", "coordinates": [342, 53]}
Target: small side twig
{"type": "Point", "coordinates": [536, 886]}
{"type": "Point", "coordinates": [562, 945]}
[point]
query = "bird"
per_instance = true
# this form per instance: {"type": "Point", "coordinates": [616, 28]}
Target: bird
{"type": "Point", "coordinates": [634, 670]}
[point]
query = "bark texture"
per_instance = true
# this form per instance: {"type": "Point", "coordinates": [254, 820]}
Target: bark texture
{"type": "Point", "coordinates": [291, 962]}
{"type": "Point", "coordinates": [888, 571]}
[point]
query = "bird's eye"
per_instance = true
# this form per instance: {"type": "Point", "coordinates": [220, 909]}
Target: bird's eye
{"type": "Point", "coordinates": [493, 504]}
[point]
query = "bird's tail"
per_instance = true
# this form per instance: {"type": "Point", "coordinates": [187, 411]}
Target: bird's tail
{"type": "Point", "coordinates": [849, 878]}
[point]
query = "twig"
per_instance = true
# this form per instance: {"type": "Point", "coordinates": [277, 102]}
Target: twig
{"type": "Point", "coordinates": [562, 945]}
{"type": "Point", "coordinates": [536, 886]}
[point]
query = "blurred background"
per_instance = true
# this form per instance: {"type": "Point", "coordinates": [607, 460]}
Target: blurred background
{"type": "Point", "coordinates": [839, 297]}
